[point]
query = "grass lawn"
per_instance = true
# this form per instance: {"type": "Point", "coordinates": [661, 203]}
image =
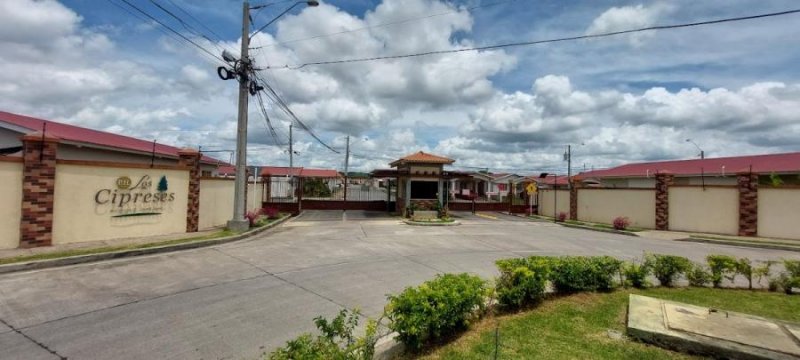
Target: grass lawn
{"type": "Point", "coordinates": [576, 326]}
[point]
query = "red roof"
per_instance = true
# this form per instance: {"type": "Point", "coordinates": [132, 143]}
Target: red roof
{"type": "Point", "coordinates": [559, 180]}
{"type": "Point", "coordinates": [72, 133]}
{"type": "Point", "coordinates": [298, 171]}
{"type": "Point", "coordinates": [762, 164]}
{"type": "Point", "coordinates": [423, 157]}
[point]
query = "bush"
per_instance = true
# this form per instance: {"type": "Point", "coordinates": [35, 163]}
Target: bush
{"type": "Point", "coordinates": [436, 308]}
{"type": "Point", "coordinates": [561, 216]}
{"type": "Point", "coordinates": [521, 281]}
{"type": "Point", "coordinates": [336, 342]}
{"type": "Point", "coordinates": [252, 217]}
{"type": "Point", "coordinates": [763, 272]}
{"type": "Point", "coordinates": [698, 276]}
{"type": "Point", "coordinates": [793, 267]}
{"type": "Point", "coordinates": [745, 268]}
{"type": "Point", "coordinates": [787, 282]}
{"type": "Point", "coordinates": [270, 212]}
{"type": "Point", "coordinates": [571, 274]}
{"type": "Point", "coordinates": [636, 275]}
{"type": "Point", "coordinates": [621, 223]}
{"type": "Point", "coordinates": [722, 267]}
{"type": "Point", "coordinates": [667, 268]}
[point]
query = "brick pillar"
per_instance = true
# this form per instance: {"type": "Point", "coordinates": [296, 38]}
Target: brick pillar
{"type": "Point", "coordinates": [748, 204]}
{"type": "Point", "coordinates": [191, 159]}
{"type": "Point", "coordinates": [573, 202]}
{"type": "Point", "coordinates": [663, 182]}
{"type": "Point", "coordinates": [38, 189]}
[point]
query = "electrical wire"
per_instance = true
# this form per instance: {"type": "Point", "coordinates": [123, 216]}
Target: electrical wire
{"type": "Point", "coordinates": [537, 42]}
{"type": "Point", "coordinates": [281, 104]}
{"type": "Point", "coordinates": [185, 25]}
{"type": "Point", "coordinates": [397, 22]}
{"type": "Point", "coordinates": [190, 41]}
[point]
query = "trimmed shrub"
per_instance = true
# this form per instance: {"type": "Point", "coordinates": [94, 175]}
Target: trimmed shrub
{"type": "Point", "coordinates": [521, 282]}
{"type": "Point", "coordinates": [437, 308]}
{"type": "Point", "coordinates": [764, 271]}
{"type": "Point", "coordinates": [790, 279]}
{"type": "Point", "coordinates": [621, 223]}
{"type": "Point", "coordinates": [561, 216]}
{"type": "Point", "coordinates": [698, 276]}
{"type": "Point", "coordinates": [636, 275]}
{"type": "Point", "coordinates": [667, 268]}
{"type": "Point", "coordinates": [252, 217]}
{"type": "Point", "coordinates": [336, 342]}
{"type": "Point", "coordinates": [722, 267]}
{"type": "Point", "coordinates": [571, 274]}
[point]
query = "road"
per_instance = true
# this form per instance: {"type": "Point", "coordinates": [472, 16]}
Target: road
{"type": "Point", "coordinates": [240, 299]}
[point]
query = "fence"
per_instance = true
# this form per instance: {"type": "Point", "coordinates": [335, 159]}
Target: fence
{"type": "Point", "coordinates": [552, 202]}
{"type": "Point", "coordinates": [704, 209]}
{"type": "Point", "coordinates": [778, 212]}
{"type": "Point", "coordinates": [11, 193]}
{"type": "Point", "coordinates": [603, 205]}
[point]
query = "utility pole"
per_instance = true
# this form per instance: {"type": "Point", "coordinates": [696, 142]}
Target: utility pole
{"type": "Point", "coordinates": [346, 166]}
{"type": "Point", "coordinates": [568, 156]}
{"type": "Point", "coordinates": [238, 222]}
{"type": "Point", "coordinates": [291, 161]}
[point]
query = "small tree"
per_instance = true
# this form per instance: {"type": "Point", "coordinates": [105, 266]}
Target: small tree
{"type": "Point", "coordinates": [162, 184]}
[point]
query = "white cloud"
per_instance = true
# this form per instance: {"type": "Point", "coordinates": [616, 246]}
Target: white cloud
{"type": "Point", "coordinates": [629, 17]}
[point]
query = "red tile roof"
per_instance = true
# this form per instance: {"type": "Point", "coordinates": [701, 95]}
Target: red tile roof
{"type": "Point", "coordinates": [423, 158]}
{"type": "Point", "coordinates": [559, 180]}
{"type": "Point", "coordinates": [298, 171]}
{"type": "Point", "coordinates": [79, 134]}
{"type": "Point", "coordinates": [762, 164]}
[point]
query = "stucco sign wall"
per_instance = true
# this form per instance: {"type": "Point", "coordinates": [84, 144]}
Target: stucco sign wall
{"type": "Point", "coordinates": [99, 202]}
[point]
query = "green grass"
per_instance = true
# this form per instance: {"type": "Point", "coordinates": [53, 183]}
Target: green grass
{"type": "Point", "coordinates": [575, 327]}
{"type": "Point", "coordinates": [105, 249]}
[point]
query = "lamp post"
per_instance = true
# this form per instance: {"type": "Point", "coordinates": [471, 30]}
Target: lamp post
{"type": "Point", "coordinates": [702, 153]}
{"type": "Point", "coordinates": [241, 71]}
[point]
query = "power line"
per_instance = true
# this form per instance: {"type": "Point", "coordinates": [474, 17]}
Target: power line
{"type": "Point", "coordinates": [174, 31]}
{"type": "Point", "coordinates": [195, 19]}
{"type": "Point", "coordinates": [185, 25]}
{"type": "Point", "coordinates": [537, 42]}
{"type": "Point", "coordinates": [281, 104]}
{"type": "Point", "coordinates": [397, 22]}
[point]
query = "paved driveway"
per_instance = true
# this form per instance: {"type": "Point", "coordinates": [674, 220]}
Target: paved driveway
{"type": "Point", "coordinates": [241, 299]}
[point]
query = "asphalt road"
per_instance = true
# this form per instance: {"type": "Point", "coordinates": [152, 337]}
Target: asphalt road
{"type": "Point", "coordinates": [241, 299]}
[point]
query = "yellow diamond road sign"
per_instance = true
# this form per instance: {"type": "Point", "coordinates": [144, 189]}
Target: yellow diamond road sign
{"type": "Point", "coordinates": [531, 188]}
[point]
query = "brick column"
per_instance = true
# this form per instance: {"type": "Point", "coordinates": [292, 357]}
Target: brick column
{"type": "Point", "coordinates": [191, 159]}
{"type": "Point", "coordinates": [748, 204]}
{"type": "Point", "coordinates": [663, 182]}
{"type": "Point", "coordinates": [573, 202]}
{"type": "Point", "coordinates": [38, 189]}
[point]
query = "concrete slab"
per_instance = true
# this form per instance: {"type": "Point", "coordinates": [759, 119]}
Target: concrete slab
{"type": "Point", "coordinates": [702, 330]}
{"type": "Point", "coordinates": [14, 346]}
{"type": "Point", "coordinates": [239, 320]}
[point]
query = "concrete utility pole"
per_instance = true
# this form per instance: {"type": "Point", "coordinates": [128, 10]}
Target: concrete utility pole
{"type": "Point", "coordinates": [291, 159]}
{"type": "Point", "coordinates": [238, 223]}
{"type": "Point", "coordinates": [568, 155]}
{"type": "Point", "coordinates": [346, 166]}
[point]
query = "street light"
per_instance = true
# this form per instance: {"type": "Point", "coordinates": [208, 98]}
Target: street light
{"type": "Point", "coordinates": [702, 153]}
{"type": "Point", "coordinates": [309, 3]}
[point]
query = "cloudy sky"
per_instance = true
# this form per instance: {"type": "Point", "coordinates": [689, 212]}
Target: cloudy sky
{"type": "Point", "coordinates": [733, 88]}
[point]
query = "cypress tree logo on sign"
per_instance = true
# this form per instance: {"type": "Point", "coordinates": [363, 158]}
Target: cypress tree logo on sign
{"type": "Point", "coordinates": [135, 198]}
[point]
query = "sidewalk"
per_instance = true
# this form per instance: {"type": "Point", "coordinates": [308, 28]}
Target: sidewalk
{"type": "Point", "coordinates": [760, 242]}
{"type": "Point", "coordinates": [115, 243]}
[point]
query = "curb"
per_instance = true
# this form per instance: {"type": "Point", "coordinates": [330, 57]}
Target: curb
{"type": "Point", "coordinates": [742, 244]}
{"type": "Point", "coordinates": [388, 347]}
{"type": "Point", "coordinates": [591, 228]}
{"type": "Point", "coordinates": [82, 259]}
{"type": "Point", "coordinates": [422, 223]}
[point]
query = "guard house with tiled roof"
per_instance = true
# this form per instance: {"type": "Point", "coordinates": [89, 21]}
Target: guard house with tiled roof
{"type": "Point", "coordinates": [420, 180]}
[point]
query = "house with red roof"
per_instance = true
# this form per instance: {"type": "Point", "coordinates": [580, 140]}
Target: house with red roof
{"type": "Point", "coordinates": [80, 143]}
{"type": "Point", "coordinates": [784, 168]}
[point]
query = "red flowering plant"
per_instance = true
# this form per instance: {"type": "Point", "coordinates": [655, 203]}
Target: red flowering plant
{"type": "Point", "coordinates": [621, 223]}
{"type": "Point", "coordinates": [270, 212]}
{"type": "Point", "coordinates": [252, 217]}
{"type": "Point", "coordinates": [562, 216]}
